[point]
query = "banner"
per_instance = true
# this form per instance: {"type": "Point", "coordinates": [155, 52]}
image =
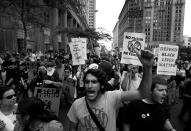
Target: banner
{"type": "Point", "coordinates": [132, 41]}
{"type": "Point", "coordinates": [166, 59]}
{"type": "Point", "coordinates": [83, 42]}
{"type": "Point", "coordinates": [50, 97]}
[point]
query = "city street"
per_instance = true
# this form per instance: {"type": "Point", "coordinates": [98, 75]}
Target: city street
{"type": "Point", "coordinates": [54, 51]}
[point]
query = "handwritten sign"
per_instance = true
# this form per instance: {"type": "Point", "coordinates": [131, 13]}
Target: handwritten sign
{"type": "Point", "coordinates": [50, 97]}
{"type": "Point", "coordinates": [77, 55]}
{"type": "Point", "coordinates": [166, 59]}
{"type": "Point", "coordinates": [131, 42]}
{"type": "Point", "coordinates": [83, 43]}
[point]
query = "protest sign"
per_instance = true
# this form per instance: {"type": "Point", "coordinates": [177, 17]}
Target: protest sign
{"type": "Point", "coordinates": [131, 42]}
{"type": "Point", "coordinates": [166, 59]}
{"type": "Point", "coordinates": [50, 97]}
{"type": "Point", "coordinates": [69, 90]}
{"type": "Point", "coordinates": [77, 55]}
{"type": "Point", "coordinates": [83, 43]}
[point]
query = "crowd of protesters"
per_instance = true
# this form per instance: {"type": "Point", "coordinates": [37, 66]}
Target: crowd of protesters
{"type": "Point", "coordinates": [108, 96]}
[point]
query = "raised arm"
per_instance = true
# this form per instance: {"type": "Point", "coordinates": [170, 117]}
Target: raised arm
{"type": "Point", "coordinates": [146, 58]}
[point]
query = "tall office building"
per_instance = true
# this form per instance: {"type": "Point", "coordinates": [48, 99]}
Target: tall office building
{"type": "Point", "coordinates": [162, 20]}
{"type": "Point", "coordinates": [115, 36]}
{"type": "Point", "coordinates": [39, 38]}
{"type": "Point", "coordinates": [130, 19]}
{"type": "Point", "coordinates": [91, 13]}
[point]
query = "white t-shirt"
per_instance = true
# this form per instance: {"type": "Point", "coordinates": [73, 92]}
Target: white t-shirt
{"type": "Point", "coordinates": [134, 85]}
{"type": "Point", "coordinates": [12, 117]}
{"type": "Point", "coordinates": [9, 126]}
{"type": "Point", "coordinates": [105, 109]}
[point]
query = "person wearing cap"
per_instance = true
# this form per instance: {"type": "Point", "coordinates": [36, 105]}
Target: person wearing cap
{"type": "Point", "coordinates": [52, 79]}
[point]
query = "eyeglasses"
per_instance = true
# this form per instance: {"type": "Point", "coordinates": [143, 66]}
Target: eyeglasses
{"type": "Point", "coordinates": [10, 97]}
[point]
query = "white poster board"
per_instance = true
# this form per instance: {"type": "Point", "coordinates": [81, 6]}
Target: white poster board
{"type": "Point", "coordinates": [50, 96]}
{"type": "Point", "coordinates": [77, 55]}
{"type": "Point", "coordinates": [132, 41]}
{"type": "Point", "coordinates": [83, 43]}
{"type": "Point", "coordinates": [166, 59]}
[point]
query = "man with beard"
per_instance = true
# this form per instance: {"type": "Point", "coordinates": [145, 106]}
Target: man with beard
{"type": "Point", "coordinates": [98, 109]}
{"type": "Point", "coordinates": [131, 79]}
{"type": "Point", "coordinates": [148, 114]}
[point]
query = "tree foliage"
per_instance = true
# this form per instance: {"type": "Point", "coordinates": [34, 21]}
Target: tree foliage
{"type": "Point", "coordinates": [88, 33]}
{"type": "Point", "coordinates": [30, 13]}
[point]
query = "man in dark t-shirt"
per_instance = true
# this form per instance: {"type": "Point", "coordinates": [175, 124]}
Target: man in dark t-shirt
{"type": "Point", "coordinates": [148, 114]}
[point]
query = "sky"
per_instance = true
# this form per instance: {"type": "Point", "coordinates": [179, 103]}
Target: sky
{"type": "Point", "coordinates": [109, 10]}
{"type": "Point", "coordinates": [187, 18]}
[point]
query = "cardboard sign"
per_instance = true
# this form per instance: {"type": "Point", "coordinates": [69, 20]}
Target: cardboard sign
{"type": "Point", "coordinates": [83, 43]}
{"type": "Point", "coordinates": [132, 41]}
{"type": "Point", "coordinates": [166, 60]}
{"type": "Point", "coordinates": [50, 96]}
{"type": "Point", "coordinates": [78, 57]}
{"type": "Point", "coordinates": [69, 90]}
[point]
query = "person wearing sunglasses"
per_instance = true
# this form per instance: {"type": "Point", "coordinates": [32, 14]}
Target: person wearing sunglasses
{"type": "Point", "coordinates": [7, 107]}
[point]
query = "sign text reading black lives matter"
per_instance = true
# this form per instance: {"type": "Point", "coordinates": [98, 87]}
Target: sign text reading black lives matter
{"type": "Point", "coordinates": [166, 59]}
{"type": "Point", "coordinates": [168, 56]}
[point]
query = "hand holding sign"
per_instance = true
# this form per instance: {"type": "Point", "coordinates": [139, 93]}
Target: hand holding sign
{"type": "Point", "coordinates": [146, 57]}
{"type": "Point", "coordinates": [48, 82]}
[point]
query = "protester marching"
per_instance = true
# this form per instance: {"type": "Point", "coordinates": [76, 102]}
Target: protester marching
{"type": "Point", "coordinates": [129, 91]}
